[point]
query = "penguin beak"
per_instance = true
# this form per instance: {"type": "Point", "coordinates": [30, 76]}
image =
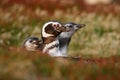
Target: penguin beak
{"type": "Point", "coordinates": [81, 25]}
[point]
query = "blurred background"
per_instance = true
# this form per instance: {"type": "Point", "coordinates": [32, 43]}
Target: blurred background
{"type": "Point", "coordinates": [20, 19]}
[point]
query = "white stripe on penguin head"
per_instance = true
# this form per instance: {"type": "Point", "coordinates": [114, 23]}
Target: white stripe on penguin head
{"type": "Point", "coordinates": [44, 34]}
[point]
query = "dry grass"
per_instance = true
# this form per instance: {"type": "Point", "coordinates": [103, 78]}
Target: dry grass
{"type": "Point", "coordinates": [17, 65]}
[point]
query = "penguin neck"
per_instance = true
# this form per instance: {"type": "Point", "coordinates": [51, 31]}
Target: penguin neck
{"type": "Point", "coordinates": [47, 40]}
{"type": "Point", "coordinates": [64, 42]}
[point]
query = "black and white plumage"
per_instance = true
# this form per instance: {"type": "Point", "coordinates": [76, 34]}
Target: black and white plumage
{"type": "Point", "coordinates": [65, 37]}
{"type": "Point", "coordinates": [55, 38]}
{"type": "Point", "coordinates": [31, 43]}
{"type": "Point", "coordinates": [50, 32]}
{"type": "Point", "coordinates": [50, 43]}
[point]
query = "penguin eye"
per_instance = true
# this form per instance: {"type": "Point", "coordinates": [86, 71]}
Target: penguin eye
{"type": "Point", "coordinates": [31, 41]}
{"type": "Point", "coordinates": [55, 25]}
{"type": "Point", "coordinates": [68, 25]}
{"type": "Point", "coordinates": [71, 26]}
